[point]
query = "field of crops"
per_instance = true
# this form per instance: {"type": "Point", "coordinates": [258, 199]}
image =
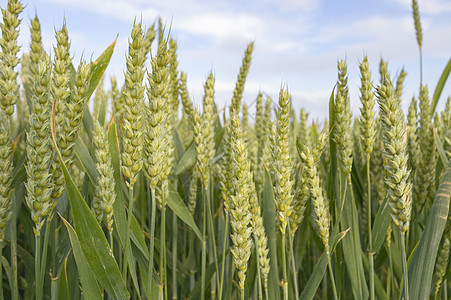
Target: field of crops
{"type": "Point", "coordinates": [147, 196]}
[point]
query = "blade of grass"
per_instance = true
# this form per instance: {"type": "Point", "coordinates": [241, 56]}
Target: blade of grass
{"type": "Point", "coordinates": [439, 87]}
{"type": "Point", "coordinates": [88, 281]}
{"type": "Point", "coordinates": [269, 222]}
{"type": "Point", "coordinates": [179, 208]}
{"type": "Point", "coordinates": [423, 262]}
{"type": "Point", "coordinates": [92, 239]}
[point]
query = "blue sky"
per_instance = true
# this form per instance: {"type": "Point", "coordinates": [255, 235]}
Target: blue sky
{"type": "Point", "coordinates": [297, 42]}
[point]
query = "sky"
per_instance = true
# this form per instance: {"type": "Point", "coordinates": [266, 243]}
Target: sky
{"type": "Point", "coordinates": [297, 42]}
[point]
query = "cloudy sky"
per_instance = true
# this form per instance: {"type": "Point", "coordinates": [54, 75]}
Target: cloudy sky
{"type": "Point", "coordinates": [297, 42]}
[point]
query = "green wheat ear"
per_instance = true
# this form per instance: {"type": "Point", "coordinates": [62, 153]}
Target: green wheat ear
{"type": "Point", "coordinates": [282, 161]}
{"type": "Point", "coordinates": [134, 104]}
{"type": "Point", "coordinates": [343, 121]}
{"type": "Point", "coordinates": [6, 172]}
{"type": "Point", "coordinates": [417, 22]}
{"type": "Point", "coordinates": [105, 195]}
{"type": "Point", "coordinates": [9, 86]}
{"type": "Point", "coordinates": [396, 160]}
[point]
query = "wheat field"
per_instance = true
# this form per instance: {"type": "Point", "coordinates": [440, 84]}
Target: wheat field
{"type": "Point", "coordinates": [149, 196]}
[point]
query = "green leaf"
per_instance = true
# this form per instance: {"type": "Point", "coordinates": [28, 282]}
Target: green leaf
{"type": "Point", "coordinates": [423, 261]}
{"type": "Point", "coordinates": [378, 286]}
{"type": "Point", "coordinates": [120, 221]}
{"type": "Point", "coordinates": [187, 161]}
{"type": "Point", "coordinates": [63, 287]}
{"type": "Point", "coordinates": [352, 246]}
{"type": "Point", "coordinates": [269, 222]}
{"type": "Point", "coordinates": [8, 270]}
{"type": "Point", "coordinates": [86, 160]}
{"type": "Point", "coordinates": [92, 239]}
{"type": "Point", "coordinates": [332, 185]}
{"type": "Point", "coordinates": [179, 208]}
{"type": "Point", "coordinates": [380, 225]}
{"type": "Point", "coordinates": [119, 217]}
{"type": "Point", "coordinates": [20, 177]}
{"type": "Point", "coordinates": [440, 149]}
{"type": "Point", "coordinates": [439, 87]}
{"type": "Point", "coordinates": [99, 66]}
{"type": "Point", "coordinates": [88, 281]}
{"type": "Point", "coordinates": [316, 277]}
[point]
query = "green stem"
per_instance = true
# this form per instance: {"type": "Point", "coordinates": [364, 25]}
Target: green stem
{"type": "Point", "coordinates": [212, 244]}
{"type": "Point", "coordinates": [421, 66]}
{"type": "Point", "coordinates": [127, 234]}
{"type": "Point", "coordinates": [445, 289]}
{"type": "Point", "coordinates": [54, 274]}
{"type": "Point", "coordinates": [224, 244]}
{"type": "Point", "coordinates": [151, 241]}
{"type": "Point", "coordinates": [204, 250]}
{"type": "Point", "coordinates": [370, 239]}
{"type": "Point", "coordinates": [404, 266]}
{"type": "Point", "coordinates": [334, 288]}
{"type": "Point", "coordinates": [13, 224]}
{"type": "Point", "coordinates": [1, 270]}
{"type": "Point", "coordinates": [390, 284]}
{"type": "Point", "coordinates": [43, 262]}
{"type": "Point", "coordinates": [162, 267]}
{"type": "Point", "coordinates": [37, 266]}
{"type": "Point", "coordinates": [284, 264]}
{"type": "Point", "coordinates": [110, 235]}
{"type": "Point", "coordinates": [355, 232]}
{"type": "Point", "coordinates": [293, 266]}
{"type": "Point", "coordinates": [174, 256]}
